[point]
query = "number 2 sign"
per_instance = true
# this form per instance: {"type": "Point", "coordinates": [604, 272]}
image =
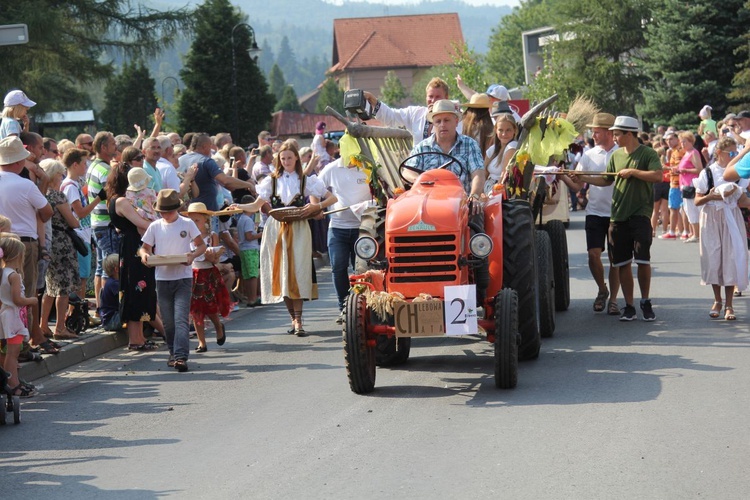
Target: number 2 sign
{"type": "Point", "coordinates": [460, 310]}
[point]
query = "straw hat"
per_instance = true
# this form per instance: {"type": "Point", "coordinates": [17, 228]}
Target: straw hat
{"type": "Point", "coordinates": [138, 179]}
{"type": "Point", "coordinates": [443, 106]}
{"type": "Point", "coordinates": [12, 150]}
{"type": "Point", "coordinates": [602, 120]}
{"type": "Point", "coordinates": [197, 208]}
{"type": "Point", "coordinates": [167, 200]}
{"type": "Point", "coordinates": [478, 101]}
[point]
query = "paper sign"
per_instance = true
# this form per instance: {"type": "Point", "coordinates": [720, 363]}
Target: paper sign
{"type": "Point", "coordinates": [460, 310]}
{"type": "Point", "coordinates": [419, 319]}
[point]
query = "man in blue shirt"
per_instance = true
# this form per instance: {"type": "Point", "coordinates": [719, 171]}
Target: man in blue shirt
{"type": "Point", "coordinates": [445, 138]}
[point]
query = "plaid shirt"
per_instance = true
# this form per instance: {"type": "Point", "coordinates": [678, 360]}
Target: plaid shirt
{"type": "Point", "coordinates": [465, 150]}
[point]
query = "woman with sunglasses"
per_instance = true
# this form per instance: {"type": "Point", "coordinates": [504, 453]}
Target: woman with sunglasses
{"type": "Point", "coordinates": [723, 245]}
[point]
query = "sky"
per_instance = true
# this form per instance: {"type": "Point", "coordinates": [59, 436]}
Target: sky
{"type": "Point", "coordinates": [511, 3]}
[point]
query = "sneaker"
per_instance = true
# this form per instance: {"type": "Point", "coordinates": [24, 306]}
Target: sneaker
{"type": "Point", "coordinates": [668, 236]}
{"type": "Point", "coordinates": [692, 239]}
{"type": "Point", "coordinates": [648, 311]}
{"type": "Point", "coordinates": [628, 313]}
{"type": "Point", "coordinates": [341, 318]}
{"type": "Point", "coordinates": [684, 236]}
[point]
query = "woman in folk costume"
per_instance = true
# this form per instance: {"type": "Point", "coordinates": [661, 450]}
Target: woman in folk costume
{"type": "Point", "coordinates": [287, 270]}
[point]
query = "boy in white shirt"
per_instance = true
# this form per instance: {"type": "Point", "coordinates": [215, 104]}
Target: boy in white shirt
{"type": "Point", "coordinates": [172, 235]}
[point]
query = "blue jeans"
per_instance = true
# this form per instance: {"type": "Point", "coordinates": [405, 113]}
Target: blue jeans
{"type": "Point", "coordinates": [107, 242]}
{"type": "Point", "coordinates": [174, 302]}
{"type": "Point", "coordinates": [341, 252]}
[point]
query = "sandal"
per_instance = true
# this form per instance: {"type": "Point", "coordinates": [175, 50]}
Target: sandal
{"type": "Point", "coordinates": [48, 347]}
{"type": "Point", "coordinates": [140, 347]}
{"type": "Point", "coordinates": [25, 392]}
{"type": "Point", "coordinates": [613, 309]}
{"type": "Point", "coordinates": [729, 314]}
{"type": "Point", "coordinates": [300, 332]}
{"type": "Point", "coordinates": [737, 293]}
{"type": "Point", "coordinates": [715, 309]}
{"type": "Point", "coordinates": [64, 335]}
{"type": "Point", "coordinates": [291, 331]}
{"type": "Point", "coordinates": [600, 301]}
{"type": "Point", "coordinates": [201, 348]}
{"type": "Point", "coordinates": [170, 362]}
{"type": "Point", "coordinates": [181, 365]}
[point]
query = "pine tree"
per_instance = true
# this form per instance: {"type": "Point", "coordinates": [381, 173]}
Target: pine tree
{"type": "Point", "coordinates": [330, 95]}
{"type": "Point", "coordinates": [266, 58]}
{"type": "Point", "coordinates": [392, 91]}
{"type": "Point", "coordinates": [72, 43]}
{"type": "Point", "coordinates": [690, 58]}
{"type": "Point", "coordinates": [288, 101]}
{"type": "Point", "coordinates": [286, 59]}
{"type": "Point", "coordinates": [130, 98]}
{"type": "Point", "coordinates": [276, 82]}
{"type": "Point", "coordinates": [208, 102]}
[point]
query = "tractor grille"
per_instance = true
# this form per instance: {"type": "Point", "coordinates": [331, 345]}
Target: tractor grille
{"type": "Point", "coordinates": [423, 259]}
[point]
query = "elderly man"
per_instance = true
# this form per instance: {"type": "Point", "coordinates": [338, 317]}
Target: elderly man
{"type": "Point", "coordinates": [152, 153]}
{"type": "Point", "coordinates": [598, 209]}
{"type": "Point", "coordinates": [413, 118]}
{"type": "Point", "coordinates": [209, 174]}
{"type": "Point", "coordinates": [263, 164]}
{"type": "Point", "coordinates": [637, 168]}
{"type": "Point", "coordinates": [446, 139]}
{"type": "Point", "coordinates": [21, 201]}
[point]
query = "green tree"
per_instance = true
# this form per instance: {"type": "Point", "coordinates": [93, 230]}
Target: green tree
{"type": "Point", "coordinates": [330, 95]}
{"type": "Point", "coordinates": [71, 44]}
{"type": "Point", "coordinates": [466, 63]}
{"type": "Point", "coordinates": [207, 103]}
{"type": "Point", "coordinates": [392, 91]}
{"type": "Point", "coordinates": [130, 98]}
{"type": "Point", "coordinates": [690, 58]}
{"type": "Point", "coordinates": [594, 55]}
{"type": "Point", "coordinates": [288, 101]}
{"type": "Point", "coordinates": [740, 94]}
{"type": "Point", "coordinates": [266, 58]}
{"type": "Point", "coordinates": [276, 82]}
{"type": "Point", "coordinates": [505, 52]}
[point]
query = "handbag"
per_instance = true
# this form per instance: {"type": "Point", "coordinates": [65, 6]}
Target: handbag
{"type": "Point", "coordinates": [78, 242]}
{"type": "Point", "coordinates": [688, 192]}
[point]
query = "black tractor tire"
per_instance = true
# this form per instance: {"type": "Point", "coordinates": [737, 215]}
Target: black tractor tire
{"type": "Point", "coordinates": [519, 273]}
{"type": "Point", "coordinates": [359, 357]}
{"type": "Point", "coordinates": [372, 224]}
{"type": "Point", "coordinates": [506, 339]}
{"type": "Point", "coordinates": [386, 353]}
{"type": "Point", "coordinates": [556, 231]}
{"type": "Point", "coordinates": [545, 270]}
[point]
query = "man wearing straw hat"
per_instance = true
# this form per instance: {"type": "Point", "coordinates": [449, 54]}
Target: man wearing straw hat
{"type": "Point", "coordinates": [598, 209]}
{"type": "Point", "coordinates": [637, 168]}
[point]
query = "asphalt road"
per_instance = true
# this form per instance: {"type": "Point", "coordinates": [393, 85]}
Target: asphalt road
{"type": "Point", "coordinates": [609, 410]}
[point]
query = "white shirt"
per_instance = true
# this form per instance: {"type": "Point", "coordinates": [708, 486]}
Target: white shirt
{"type": "Point", "coordinates": [412, 118]}
{"type": "Point", "coordinates": [319, 147]}
{"type": "Point", "coordinates": [287, 187]}
{"type": "Point", "coordinates": [171, 239]}
{"type": "Point", "coordinates": [169, 178]}
{"type": "Point", "coordinates": [350, 186]}
{"type": "Point", "coordinates": [19, 201]}
{"type": "Point", "coordinates": [600, 197]}
{"type": "Point", "coordinates": [494, 169]}
{"type": "Point", "coordinates": [701, 183]}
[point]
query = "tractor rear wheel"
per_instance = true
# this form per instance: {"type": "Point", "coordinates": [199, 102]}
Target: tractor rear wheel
{"type": "Point", "coordinates": [559, 240]}
{"type": "Point", "coordinates": [546, 284]}
{"type": "Point", "coordinates": [520, 273]}
{"type": "Point", "coordinates": [392, 351]}
{"type": "Point", "coordinates": [359, 357]}
{"type": "Point", "coordinates": [506, 339]}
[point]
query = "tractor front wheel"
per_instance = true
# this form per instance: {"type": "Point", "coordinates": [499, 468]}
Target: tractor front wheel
{"type": "Point", "coordinates": [358, 355]}
{"type": "Point", "coordinates": [506, 339]}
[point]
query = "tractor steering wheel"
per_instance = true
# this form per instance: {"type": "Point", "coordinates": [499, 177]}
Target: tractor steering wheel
{"type": "Point", "coordinates": [409, 174]}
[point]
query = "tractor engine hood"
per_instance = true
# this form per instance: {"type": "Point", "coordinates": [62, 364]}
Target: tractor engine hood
{"type": "Point", "coordinates": [435, 203]}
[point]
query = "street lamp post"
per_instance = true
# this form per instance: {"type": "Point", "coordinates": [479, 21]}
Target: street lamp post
{"type": "Point", "coordinates": [253, 52]}
{"type": "Point", "coordinates": [176, 84]}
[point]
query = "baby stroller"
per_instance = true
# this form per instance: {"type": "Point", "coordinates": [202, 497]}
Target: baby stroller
{"type": "Point", "coordinates": [8, 401]}
{"type": "Point", "coordinates": [77, 319]}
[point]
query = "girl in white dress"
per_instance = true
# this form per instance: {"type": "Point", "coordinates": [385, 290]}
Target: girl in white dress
{"type": "Point", "coordinates": [502, 150]}
{"type": "Point", "coordinates": [286, 248]}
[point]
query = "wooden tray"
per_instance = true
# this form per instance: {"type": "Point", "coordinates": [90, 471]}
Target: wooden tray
{"type": "Point", "coordinates": [167, 260]}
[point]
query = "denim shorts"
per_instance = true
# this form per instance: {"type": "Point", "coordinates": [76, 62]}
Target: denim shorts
{"type": "Point", "coordinates": [84, 265]}
{"type": "Point", "coordinates": [107, 242]}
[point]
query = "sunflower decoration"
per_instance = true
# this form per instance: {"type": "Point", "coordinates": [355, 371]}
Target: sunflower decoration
{"type": "Point", "coordinates": [370, 169]}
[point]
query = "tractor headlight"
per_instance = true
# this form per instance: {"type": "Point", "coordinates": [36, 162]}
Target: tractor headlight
{"type": "Point", "coordinates": [366, 247]}
{"type": "Point", "coordinates": [480, 245]}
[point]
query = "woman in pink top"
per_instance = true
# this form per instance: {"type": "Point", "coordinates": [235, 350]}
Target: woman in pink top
{"type": "Point", "coordinates": [689, 168]}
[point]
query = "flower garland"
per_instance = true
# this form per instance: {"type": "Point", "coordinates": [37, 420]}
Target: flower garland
{"type": "Point", "coordinates": [370, 169]}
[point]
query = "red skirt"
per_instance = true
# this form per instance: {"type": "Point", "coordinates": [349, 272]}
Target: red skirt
{"type": "Point", "coordinates": [210, 295]}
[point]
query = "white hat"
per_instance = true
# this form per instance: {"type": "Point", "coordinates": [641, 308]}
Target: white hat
{"type": "Point", "coordinates": [15, 97]}
{"type": "Point", "coordinates": [12, 150]}
{"type": "Point", "coordinates": [498, 92]}
{"type": "Point", "coordinates": [443, 106]}
{"type": "Point", "coordinates": [138, 179]}
{"type": "Point", "coordinates": [626, 123]}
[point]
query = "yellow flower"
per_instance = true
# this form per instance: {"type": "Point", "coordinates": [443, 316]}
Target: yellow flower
{"type": "Point", "coordinates": [353, 160]}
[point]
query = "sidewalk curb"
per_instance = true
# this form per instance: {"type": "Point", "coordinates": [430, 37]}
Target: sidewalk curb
{"type": "Point", "coordinates": [96, 343]}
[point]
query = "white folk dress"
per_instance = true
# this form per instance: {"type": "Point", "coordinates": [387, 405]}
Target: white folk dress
{"type": "Point", "coordinates": [286, 265]}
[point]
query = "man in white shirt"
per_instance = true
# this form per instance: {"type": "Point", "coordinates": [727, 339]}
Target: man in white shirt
{"type": "Point", "coordinates": [412, 118]}
{"type": "Point", "coordinates": [598, 209]}
{"type": "Point", "coordinates": [349, 184]}
{"type": "Point", "coordinates": [20, 201]}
